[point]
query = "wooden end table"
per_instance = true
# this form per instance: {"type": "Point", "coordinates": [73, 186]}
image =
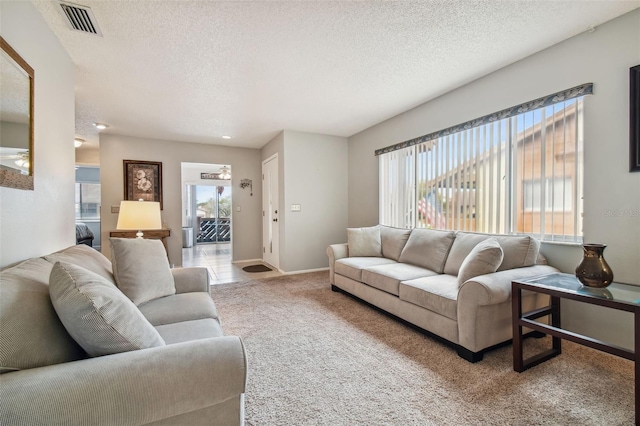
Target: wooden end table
{"type": "Point", "coordinates": [623, 297]}
{"type": "Point", "coordinates": [152, 234]}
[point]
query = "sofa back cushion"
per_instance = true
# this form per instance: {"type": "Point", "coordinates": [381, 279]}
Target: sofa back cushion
{"type": "Point", "coordinates": [393, 241]}
{"type": "Point", "coordinates": [484, 258]}
{"type": "Point", "coordinates": [98, 315]}
{"type": "Point", "coordinates": [519, 250]}
{"type": "Point", "coordinates": [364, 242]}
{"type": "Point", "coordinates": [141, 269]}
{"type": "Point", "coordinates": [428, 248]}
{"type": "Point", "coordinates": [85, 256]}
{"type": "Point", "coordinates": [31, 334]}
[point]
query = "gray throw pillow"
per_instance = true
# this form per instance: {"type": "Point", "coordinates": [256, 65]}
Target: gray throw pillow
{"type": "Point", "coordinates": [141, 269]}
{"type": "Point", "coordinates": [364, 242]}
{"type": "Point", "coordinates": [96, 314]}
{"type": "Point", "coordinates": [484, 258]}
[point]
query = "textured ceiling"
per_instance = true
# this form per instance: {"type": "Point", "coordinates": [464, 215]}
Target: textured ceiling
{"type": "Point", "coordinates": [196, 70]}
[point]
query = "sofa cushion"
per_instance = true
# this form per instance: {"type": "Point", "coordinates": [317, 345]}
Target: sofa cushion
{"type": "Point", "coordinates": [428, 248]}
{"type": "Point", "coordinates": [31, 334]}
{"type": "Point", "coordinates": [351, 267]}
{"type": "Point", "coordinates": [141, 269]}
{"type": "Point", "coordinates": [393, 241]}
{"type": "Point", "coordinates": [438, 293]}
{"type": "Point", "coordinates": [364, 242]}
{"type": "Point", "coordinates": [179, 307]}
{"type": "Point", "coordinates": [484, 258]}
{"type": "Point", "coordinates": [387, 277]}
{"type": "Point", "coordinates": [85, 256]}
{"type": "Point", "coordinates": [519, 250]}
{"type": "Point", "coordinates": [98, 315]}
{"type": "Point", "coordinates": [189, 330]}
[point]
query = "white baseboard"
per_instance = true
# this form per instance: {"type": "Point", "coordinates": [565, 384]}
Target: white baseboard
{"type": "Point", "coordinates": [304, 271]}
{"type": "Point", "coordinates": [247, 260]}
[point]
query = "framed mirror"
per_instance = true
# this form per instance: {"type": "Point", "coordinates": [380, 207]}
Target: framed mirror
{"type": "Point", "coordinates": [16, 119]}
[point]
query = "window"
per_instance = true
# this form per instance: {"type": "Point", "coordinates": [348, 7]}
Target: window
{"type": "Point", "coordinates": [516, 171]}
{"type": "Point", "coordinates": [87, 193]}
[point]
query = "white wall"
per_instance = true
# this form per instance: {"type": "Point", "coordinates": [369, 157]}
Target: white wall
{"type": "Point", "coordinates": [602, 57]}
{"type": "Point", "coordinates": [313, 174]}
{"type": "Point", "coordinates": [244, 162]}
{"type": "Point", "coordinates": [38, 222]}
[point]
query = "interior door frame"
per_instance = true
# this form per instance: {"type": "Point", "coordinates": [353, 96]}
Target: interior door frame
{"type": "Point", "coordinates": [271, 216]}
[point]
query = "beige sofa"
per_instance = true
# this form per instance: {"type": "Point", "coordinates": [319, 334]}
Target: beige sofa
{"type": "Point", "coordinates": [195, 377]}
{"type": "Point", "coordinates": [415, 275]}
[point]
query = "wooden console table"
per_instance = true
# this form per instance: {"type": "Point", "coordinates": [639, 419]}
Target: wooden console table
{"type": "Point", "coordinates": [152, 234]}
{"type": "Point", "coordinates": [623, 297]}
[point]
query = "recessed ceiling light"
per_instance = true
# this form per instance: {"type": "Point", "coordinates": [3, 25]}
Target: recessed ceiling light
{"type": "Point", "coordinates": [77, 142]}
{"type": "Point", "coordinates": [101, 126]}
{"type": "Point", "coordinates": [226, 137]}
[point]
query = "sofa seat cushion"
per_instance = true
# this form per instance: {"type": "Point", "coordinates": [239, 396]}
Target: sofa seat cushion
{"type": "Point", "coordinates": [85, 256]}
{"type": "Point", "coordinates": [519, 250]}
{"type": "Point", "coordinates": [352, 267]}
{"type": "Point", "coordinates": [428, 248]}
{"type": "Point", "coordinates": [180, 307]}
{"type": "Point", "coordinates": [387, 277]}
{"type": "Point", "coordinates": [186, 331]}
{"type": "Point", "coordinates": [438, 293]}
{"type": "Point", "coordinates": [97, 314]}
{"type": "Point", "coordinates": [31, 334]}
{"type": "Point", "coordinates": [393, 241]}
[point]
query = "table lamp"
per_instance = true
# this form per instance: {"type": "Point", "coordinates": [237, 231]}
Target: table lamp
{"type": "Point", "coordinates": [139, 215]}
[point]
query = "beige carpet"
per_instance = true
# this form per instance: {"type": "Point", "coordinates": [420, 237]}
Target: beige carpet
{"type": "Point", "coordinates": [321, 358]}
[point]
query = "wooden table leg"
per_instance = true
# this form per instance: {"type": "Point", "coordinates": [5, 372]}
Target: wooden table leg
{"type": "Point", "coordinates": [516, 314]}
{"type": "Point", "coordinates": [555, 321]}
{"type": "Point", "coordinates": [636, 337]}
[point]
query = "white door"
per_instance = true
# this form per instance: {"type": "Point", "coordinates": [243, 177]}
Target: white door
{"type": "Point", "coordinates": [270, 216]}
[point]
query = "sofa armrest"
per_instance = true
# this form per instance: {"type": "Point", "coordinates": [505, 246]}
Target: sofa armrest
{"type": "Point", "coordinates": [189, 280]}
{"type": "Point", "coordinates": [484, 306]}
{"type": "Point", "coordinates": [495, 288]}
{"type": "Point", "coordinates": [131, 388]}
{"type": "Point", "coordinates": [335, 252]}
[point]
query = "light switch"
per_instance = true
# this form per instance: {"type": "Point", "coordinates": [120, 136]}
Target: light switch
{"type": "Point", "coordinates": [238, 208]}
{"type": "Point", "coordinates": [295, 207]}
{"type": "Point", "coordinates": [115, 209]}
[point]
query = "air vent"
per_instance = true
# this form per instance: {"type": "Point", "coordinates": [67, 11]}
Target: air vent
{"type": "Point", "coordinates": [80, 18]}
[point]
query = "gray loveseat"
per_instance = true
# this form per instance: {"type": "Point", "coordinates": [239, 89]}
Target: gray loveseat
{"type": "Point", "coordinates": [196, 378]}
{"type": "Point", "coordinates": [415, 275]}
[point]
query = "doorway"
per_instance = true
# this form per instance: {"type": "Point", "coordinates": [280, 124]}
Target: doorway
{"type": "Point", "coordinates": [270, 215]}
{"type": "Point", "coordinates": [207, 216]}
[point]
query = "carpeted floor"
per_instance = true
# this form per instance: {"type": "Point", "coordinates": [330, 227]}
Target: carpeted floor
{"type": "Point", "coordinates": [321, 358]}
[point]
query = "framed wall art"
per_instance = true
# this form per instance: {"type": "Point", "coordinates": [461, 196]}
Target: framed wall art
{"type": "Point", "coordinates": [634, 119]}
{"type": "Point", "coordinates": [143, 180]}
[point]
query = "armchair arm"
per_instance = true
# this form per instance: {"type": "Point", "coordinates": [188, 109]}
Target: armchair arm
{"type": "Point", "coordinates": [130, 388]}
{"type": "Point", "coordinates": [335, 252]}
{"type": "Point", "coordinates": [190, 280]}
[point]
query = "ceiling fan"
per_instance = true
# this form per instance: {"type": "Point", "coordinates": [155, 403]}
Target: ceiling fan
{"type": "Point", "coordinates": [20, 158]}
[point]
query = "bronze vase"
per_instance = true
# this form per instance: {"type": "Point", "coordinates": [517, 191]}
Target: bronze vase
{"type": "Point", "coordinates": [594, 271]}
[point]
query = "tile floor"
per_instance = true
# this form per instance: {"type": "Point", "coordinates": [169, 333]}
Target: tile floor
{"type": "Point", "coordinates": [217, 259]}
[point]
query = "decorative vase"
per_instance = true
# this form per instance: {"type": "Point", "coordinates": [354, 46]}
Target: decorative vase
{"type": "Point", "coordinates": [594, 271]}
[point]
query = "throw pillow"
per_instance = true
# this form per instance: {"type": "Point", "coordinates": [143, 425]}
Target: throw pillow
{"type": "Point", "coordinates": [364, 242]}
{"type": "Point", "coordinates": [96, 314]}
{"type": "Point", "coordinates": [484, 258]}
{"type": "Point", "coordinates": [141, 269]}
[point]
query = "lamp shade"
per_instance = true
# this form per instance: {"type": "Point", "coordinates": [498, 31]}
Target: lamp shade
{"type": "Point", "coordinates": [138, 215]}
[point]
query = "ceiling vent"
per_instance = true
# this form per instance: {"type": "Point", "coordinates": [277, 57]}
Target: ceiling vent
{"type": "Point", "coordinates": [80, 18]}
